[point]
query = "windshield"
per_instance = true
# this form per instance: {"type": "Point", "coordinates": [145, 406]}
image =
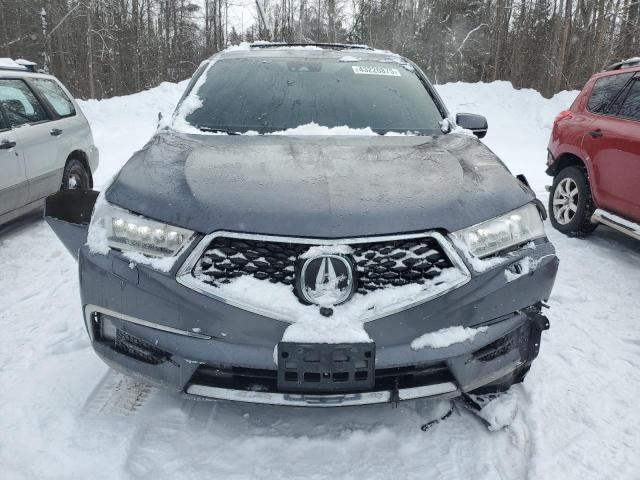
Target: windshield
{"type": "Point", "coordinates": [274, 94]}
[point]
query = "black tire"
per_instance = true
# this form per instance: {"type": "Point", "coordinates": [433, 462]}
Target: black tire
{"type": "Point", "coordinates": [575, 219]}
{"type": "Point", "coordinates": [76, 176]}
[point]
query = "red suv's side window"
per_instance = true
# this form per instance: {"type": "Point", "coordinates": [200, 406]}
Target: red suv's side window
{"type": "Point", "coordinates": [606, 90]}
{"type": "Point", "coordinates": [631, 104]}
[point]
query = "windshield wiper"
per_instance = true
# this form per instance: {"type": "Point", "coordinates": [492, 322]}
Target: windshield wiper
{"type": "Point", "coordinates": [217, 130]}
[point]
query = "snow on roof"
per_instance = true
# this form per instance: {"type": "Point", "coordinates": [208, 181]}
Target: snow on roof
{"type": "Point", "coordinates": [11, 64]}
{"type": "Point", "coordinates": [26, 63]}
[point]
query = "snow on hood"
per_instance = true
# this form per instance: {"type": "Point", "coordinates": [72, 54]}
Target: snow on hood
{"type": "Point", "coordinates": [317, 186]}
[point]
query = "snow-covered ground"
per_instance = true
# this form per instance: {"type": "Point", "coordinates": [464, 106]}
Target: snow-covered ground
{"type": "Point", "coordinates": [63, 414]}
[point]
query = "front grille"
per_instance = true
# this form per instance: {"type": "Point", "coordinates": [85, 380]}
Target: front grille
{"type": "Point", "coordinates": [398, 263]}
{"type": "Point", "coordinates": [378, 264]}
{"type": "Point", "coordinates": [228, 258]}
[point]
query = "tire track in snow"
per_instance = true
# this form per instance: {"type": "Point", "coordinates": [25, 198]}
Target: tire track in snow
{"type": "Point", "coordinates": [116, 395]}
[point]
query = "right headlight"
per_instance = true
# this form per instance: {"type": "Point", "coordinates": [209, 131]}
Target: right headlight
{"type": "Point", "coordinates": [116, 228]}
{"type": "Point", "coordinates": [514, 228]}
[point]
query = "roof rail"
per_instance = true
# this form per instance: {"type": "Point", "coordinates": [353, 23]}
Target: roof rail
{"type": "Point", "coordinates": [337, 46]}
{"type": "Point", "coordinates": [630, 62]}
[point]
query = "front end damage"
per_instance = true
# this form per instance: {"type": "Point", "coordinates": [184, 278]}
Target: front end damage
{"type": "Point", "coordinates": [145, 323]}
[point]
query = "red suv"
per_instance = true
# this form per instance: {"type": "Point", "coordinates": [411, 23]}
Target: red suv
{"type": "Point", "coordinates": [594, 155]}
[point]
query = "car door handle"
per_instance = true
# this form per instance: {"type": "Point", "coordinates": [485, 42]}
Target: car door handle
{"type": "Point", "coordinates": [6, 145]}
{"type": "Point", "coordinates": [55, 132]}
{"type": "Point", "coordinates": [596, 133]}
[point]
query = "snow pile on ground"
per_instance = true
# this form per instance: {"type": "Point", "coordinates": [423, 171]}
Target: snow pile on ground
{"type": "Point", "coordinates": [64, 415]}
{"type": "Point", "coordinates": [446, 336]}
{"type": "Point", "coordinates": [123, 125]}
{"type": "Point", "coordinates": [500, 411]}
{"type": "Point", "coordinates": [519, 121]}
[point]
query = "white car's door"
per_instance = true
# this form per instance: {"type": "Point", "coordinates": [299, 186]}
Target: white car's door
{"type": "Point", "coordinates": [14, 188]}
{"type": "Point", "coordinates": [67, 127]}
{"type": "Point", "coordinates": [38, 142]}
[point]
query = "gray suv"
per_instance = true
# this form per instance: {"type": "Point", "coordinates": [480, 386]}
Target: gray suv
{"type": "Point", "coordinates": [45, 141]}
{"type": "Point", "coordinates": [312, 228]}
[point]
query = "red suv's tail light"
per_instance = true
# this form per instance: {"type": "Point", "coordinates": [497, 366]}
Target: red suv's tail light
{"type": "Point", "coordinates": [562, 115]}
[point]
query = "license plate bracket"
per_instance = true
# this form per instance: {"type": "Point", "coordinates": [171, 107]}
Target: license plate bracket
{"type": "Point", "coordinates": [319, 367]}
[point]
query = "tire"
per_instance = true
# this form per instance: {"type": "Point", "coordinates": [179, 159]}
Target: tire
{"type": "Point", "coordinates": [76, 176]}
{"type": "Point", "coordinates": [571, 203]}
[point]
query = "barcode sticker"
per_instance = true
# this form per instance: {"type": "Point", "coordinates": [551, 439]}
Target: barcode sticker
{"type": "Point", "coordinates": [374, 70]}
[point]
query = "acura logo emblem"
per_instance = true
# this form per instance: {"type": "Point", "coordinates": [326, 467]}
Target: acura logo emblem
{"type": "Point", "coordinates": [326, 280]}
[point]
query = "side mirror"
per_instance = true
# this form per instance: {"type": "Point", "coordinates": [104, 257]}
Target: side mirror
{"type": "Point", "coordinates": [476, 123]}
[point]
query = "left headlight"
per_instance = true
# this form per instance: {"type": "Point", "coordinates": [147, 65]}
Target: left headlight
{"type": "Point", "coordinates": [514, 228]}
{"type": "Point", "coordinates": [114, 227]}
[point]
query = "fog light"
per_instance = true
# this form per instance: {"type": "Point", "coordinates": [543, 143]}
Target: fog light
{"type": "Point", "coordinates": [108, 330]}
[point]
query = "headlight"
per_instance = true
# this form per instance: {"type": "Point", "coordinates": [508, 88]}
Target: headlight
{"type": "Point", "coordinates": [514, 228]}
{"type": "Point", "coordinates": [113, 227]}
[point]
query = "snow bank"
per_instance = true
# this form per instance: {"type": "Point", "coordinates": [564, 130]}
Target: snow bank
{"type": "Point", "coordinates": [446, 337]}
{"type": "Point", "coordinates": [122, 125]}
{"type": "Point", "coordinates": [519, 121]}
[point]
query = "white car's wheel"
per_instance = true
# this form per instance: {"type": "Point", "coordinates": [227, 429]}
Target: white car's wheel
{"type": "Point", "coordinates": [75, 176]}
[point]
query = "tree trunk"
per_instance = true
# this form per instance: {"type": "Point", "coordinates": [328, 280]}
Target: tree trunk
{"type": "Point", "coordinates": [92, 86]}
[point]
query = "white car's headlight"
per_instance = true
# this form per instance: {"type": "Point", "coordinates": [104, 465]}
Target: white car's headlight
{"type": "Point", "coordinates": [114, 227]}
{"type": "Point", "coordinates": [514, 228]}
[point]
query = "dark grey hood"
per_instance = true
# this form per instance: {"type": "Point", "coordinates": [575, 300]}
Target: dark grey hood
{"type": "Point", "coordinates": [327, 187]}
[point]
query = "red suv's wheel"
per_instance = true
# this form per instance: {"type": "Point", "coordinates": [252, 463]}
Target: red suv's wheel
{"type": "Point", "coordinates": [570, 202]}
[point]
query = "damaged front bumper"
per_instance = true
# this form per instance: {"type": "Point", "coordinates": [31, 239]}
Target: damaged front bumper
{"type": "Point", "coordinates": [145, 324]}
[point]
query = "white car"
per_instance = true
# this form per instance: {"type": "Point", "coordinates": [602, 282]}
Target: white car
{"type": "Point", "coordinates": [45, 140]}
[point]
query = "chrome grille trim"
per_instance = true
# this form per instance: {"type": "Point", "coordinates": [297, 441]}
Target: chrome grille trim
{"type": "Point", "coordinates": [184, 275]}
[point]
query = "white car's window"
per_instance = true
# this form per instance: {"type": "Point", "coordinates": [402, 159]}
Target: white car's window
{"type": "Point", "coordinates": [55, 96]}
{"type": "Point", "coordinates": [20, 104]}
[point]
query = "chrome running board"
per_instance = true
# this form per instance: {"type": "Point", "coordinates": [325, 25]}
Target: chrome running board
{"type": "Point", "coordinates": [439, 390]}
{"type": "Point", "coordinates": [617, 223]}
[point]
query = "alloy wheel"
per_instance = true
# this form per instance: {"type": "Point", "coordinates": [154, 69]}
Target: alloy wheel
{"type": "Point", "coordinates": [565, 201]}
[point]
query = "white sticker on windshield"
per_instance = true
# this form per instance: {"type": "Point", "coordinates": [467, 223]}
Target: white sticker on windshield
{"type": "Point", "coordinates": [365, 70]}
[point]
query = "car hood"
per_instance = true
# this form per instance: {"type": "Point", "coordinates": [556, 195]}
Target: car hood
{"type": "Point", "coordinates": [325, 187]}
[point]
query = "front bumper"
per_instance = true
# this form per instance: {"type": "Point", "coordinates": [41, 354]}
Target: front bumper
{"type": "Point", "coordinates": [183, 340]}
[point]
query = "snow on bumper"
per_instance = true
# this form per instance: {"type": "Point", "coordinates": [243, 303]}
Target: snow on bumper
{"type": "Point", "coordinates": [207, 348]}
